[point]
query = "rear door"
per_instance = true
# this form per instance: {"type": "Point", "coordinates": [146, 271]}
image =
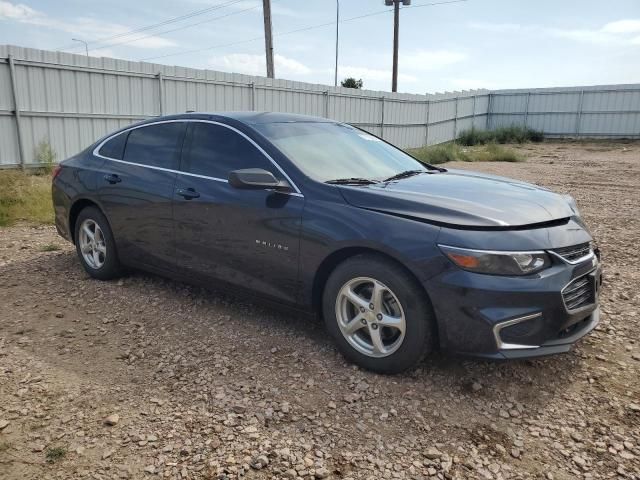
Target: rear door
{"type": "Point", "coordinates": [137, 189]}
{"type": "Point", "coordinates": [246, 238]}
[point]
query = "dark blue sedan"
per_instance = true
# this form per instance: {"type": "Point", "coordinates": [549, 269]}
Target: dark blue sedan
{"type": "Point", "coordinates": [398, 257]}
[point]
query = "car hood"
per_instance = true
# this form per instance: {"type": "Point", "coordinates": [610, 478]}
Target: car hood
{"type": "Point", "coordinates": [462, 198]}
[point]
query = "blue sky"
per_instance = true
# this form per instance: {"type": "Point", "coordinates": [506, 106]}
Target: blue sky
{"type": "Point", "coordinates": [465, 45]}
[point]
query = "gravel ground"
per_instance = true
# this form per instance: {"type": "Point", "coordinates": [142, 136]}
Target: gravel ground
{"type": "Point", "coordinates": [149, 378]}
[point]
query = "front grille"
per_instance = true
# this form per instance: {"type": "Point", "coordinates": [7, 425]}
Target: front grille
{"type": "Point", "coordinates": [575, 252]}
{"type": "Point", "coordinates": [579, 293]}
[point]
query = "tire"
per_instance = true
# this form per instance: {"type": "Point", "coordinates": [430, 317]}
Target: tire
{"type": "Point", "coordinates": [405, 299]}
{"type": "Point", "coordinates": [107, 267]}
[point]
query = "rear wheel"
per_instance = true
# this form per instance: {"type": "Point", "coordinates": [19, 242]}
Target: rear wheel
{"type": "Point", "coordinates": [379, 316]}
{"type": "Point", "coordinates": [95, 246]}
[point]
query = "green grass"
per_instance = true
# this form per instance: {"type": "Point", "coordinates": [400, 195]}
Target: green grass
{"type": "Point", "coordinates": [49, 247]}
{"type": "Point", "coordinates": [452, 152]}
{"type": "Point", "coordinates": [55, 453]}
{"type": "Point", "coordinates": [513, 134]}
{"type": "Point", "coordinates": [25, 196]}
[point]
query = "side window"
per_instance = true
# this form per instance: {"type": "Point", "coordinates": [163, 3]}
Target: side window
{"type": "Point", "coordinates": [214, 151]}
{"type": "Point", "coordinates": [114, 148]}
{"type": "Point", "coordinates": [156, 145]}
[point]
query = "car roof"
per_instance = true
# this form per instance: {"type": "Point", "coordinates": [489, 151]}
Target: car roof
{"type": "Point", "coordinates": [252, 118]}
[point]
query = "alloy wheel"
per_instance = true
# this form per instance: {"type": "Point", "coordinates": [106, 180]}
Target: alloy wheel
{"type": "Point", "coordinates": [92, 244]}
{"type": "Point", "coordinates": [370, 317]}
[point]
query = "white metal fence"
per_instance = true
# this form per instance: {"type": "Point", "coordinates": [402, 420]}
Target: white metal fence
{"type": "Point", "coordinates": [68, 101]}
{"type": "Point", "coordinates": [609, 111]}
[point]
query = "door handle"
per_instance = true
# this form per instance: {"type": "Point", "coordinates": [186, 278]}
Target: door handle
{"type": "Point", "coordinates": [112, 178]}
{"type": "Point", "coordinates": [187, 193]}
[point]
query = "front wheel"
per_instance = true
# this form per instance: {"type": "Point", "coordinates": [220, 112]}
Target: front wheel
{"type": "Point", "coordinates": [95, 246]}
{"type": "Point", "coordinates": [379, 316]}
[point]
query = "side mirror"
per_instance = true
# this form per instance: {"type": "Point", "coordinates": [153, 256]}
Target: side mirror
{"type": "Point", "coordinates": [256, 179]}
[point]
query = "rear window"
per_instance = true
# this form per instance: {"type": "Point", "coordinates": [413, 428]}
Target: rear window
{"type": "Point", "coordinates": [157, 145]}
{"type": "Point", "coordinates": [114, 148]}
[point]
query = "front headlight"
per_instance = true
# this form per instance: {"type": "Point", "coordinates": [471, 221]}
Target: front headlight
{"type": "Point", "coordinates": [497, 263]}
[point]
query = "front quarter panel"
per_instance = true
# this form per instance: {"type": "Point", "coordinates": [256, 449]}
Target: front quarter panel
{"type": "Point", "coordinates": [330, 225]}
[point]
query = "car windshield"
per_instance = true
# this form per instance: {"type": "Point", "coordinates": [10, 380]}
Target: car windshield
{"type": "Point", "coordinates": [332, 151]}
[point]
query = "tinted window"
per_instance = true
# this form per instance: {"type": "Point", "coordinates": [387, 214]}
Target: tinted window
{"type": "Point", "coordinates": [156, 145]}
{"type": "Point", "coordinates": [327, 151]}
{"type": "Point", "coordinates": [114, 148]}
{"type": "Point", "coordinates": [214, 151]}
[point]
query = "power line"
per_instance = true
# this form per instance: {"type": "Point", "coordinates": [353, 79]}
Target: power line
{"type": "Point", "coordinates": [303, 29]}
{"type": "Point", "coordinates": [160, 24]}
{"type": "Point", "coordinates": [175, 29]}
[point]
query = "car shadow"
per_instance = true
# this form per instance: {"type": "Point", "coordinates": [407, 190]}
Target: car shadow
{"type": "Point", "coordinates": [261, 327]}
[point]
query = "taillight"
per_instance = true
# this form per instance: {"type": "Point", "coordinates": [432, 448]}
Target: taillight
{"type": "Point", "coordinates": [56, 171]}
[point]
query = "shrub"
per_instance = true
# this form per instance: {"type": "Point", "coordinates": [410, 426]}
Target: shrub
{"type": "Point", "coordinates": [474, 137]}
{"type": "Point", "coordinates": [45, 155]}
{"type": "Point", "coordinates": [451, 152]}
{"type": "Point", "coordinates": [512, 134]}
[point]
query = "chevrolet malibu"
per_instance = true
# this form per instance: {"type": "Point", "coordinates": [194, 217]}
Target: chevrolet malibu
{"type": "Point", "coordinates": [399, 257]}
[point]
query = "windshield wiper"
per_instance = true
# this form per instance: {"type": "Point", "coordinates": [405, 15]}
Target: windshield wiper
{"type": "Point", "coordinates": [405, 174]}
{"type": "Point", "coordinates": [352, 181]}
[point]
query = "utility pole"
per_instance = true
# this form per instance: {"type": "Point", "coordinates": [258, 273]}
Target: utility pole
{"type": "Point", "coordinates": [86, 47]}
{"type": "Point", "coordinates": [268, 40]}
{"type": "Point", "coordinates": [396, 32]}
{"type": "Point", "coordinates": [335, 77]}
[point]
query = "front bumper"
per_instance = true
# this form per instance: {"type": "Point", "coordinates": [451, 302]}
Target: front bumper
{"type": "Point", "coordinates": [514, 317]}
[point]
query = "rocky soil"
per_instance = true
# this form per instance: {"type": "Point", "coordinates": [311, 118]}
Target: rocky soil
{"type": "Point", "coordinates": [150, 378]}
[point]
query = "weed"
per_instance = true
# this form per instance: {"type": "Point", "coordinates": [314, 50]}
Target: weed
{"type": "Point", "coordinates": [45, 155]}
{"type": "Point", "coordinates": [55, 453]}
{"type": "Point", "coordinates": [512, 134]}
{"type": "Point", "coordinates": [451, 152]}
{"type": "Point", "coordinates": [49, 247]}
{"type": "Point", "coordinates": [25, 196]}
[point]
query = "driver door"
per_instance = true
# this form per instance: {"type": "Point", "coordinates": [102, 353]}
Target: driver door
{"type": "Point", "coordinates": [244, 238]}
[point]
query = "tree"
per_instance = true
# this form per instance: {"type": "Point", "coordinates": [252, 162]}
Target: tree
{"type": "Point", "coordinates": [351, 83]}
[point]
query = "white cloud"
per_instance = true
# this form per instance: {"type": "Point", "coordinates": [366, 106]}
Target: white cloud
{"type": "Point", "coordinates": [430, 59]}
{"type": "Point", "coordinates": [251, 64]}
{"type": "Point", "coordinates": [622, 26]}
{"type": "Point", "coordinates": [16, 11]}
{"type": "Point", "coordinates": [611, 34]}
{"type": "Point", "coordinates": [86, 28]}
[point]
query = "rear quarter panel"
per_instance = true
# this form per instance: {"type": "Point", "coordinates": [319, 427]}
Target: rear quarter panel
{"type": "Point", "coordinates": [77, 180]}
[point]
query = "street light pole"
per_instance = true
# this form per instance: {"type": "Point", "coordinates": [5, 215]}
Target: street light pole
{"type": "Point", "coordinates": [335, 77]}
{"type": "Point", "coordinates": [86, 48]}
{"type": "Point", "coordinates": [396, 34]}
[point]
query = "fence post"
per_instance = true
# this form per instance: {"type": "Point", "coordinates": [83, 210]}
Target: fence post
{"type": "Point", "coordinates": [473, 114]}
{"type": "Point", "coordinates": [326, 104]}
{"type": "Point", "coordinates": [489, 111]}
{"type": "Point", "coordinates": [14, 90]}
{"type": "Point", "coordinates": [253, 95]}
{"type": "Point", "coordinates": [161, 93]}
{"type": "Point", "coordinates": [455, 122]}
{"type": "Point", "coordinates": [579, 113]}
{"type": "Point", "coordinates": [382, 118]}
{"type": "Point", "coordinates": [526, 110]}
{"type": "Point", "coordinates": [426, 135]}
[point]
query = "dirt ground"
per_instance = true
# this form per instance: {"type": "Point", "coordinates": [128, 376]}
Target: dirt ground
{"type": "Point", "coordinates": [150, 378]}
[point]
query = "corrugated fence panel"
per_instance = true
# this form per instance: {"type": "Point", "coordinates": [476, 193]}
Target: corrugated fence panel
{"type": "Point", "coordinates": [70, 100]}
